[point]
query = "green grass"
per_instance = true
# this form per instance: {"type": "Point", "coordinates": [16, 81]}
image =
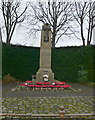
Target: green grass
{"type": "Point", "coordinates": [22, 62]}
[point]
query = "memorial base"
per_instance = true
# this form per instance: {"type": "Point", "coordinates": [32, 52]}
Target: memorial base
{"type": "Point", "coordinates": [42, 72]}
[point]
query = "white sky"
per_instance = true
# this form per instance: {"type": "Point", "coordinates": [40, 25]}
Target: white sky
{"type": "Point", "coordinates": [20, 37]}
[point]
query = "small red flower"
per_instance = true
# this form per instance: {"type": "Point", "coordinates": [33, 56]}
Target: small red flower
{"type": "Point", "coordinates": [58, 86]}
{"type": "Point", "coordinates": [46, 83]}
{"type": "Point", "coordinates": [23, 84]}
{"type": "Point", "coordinates": [66, 86]}
{"type": "Point", "coordinates": [60, 83]}
{"type": "Point", "coordinates": [28, 81]}
{"type": "Point", "coordinates": [39, 82]}
{"type": "Point", "coordinates": [51, 85]}
{"type": "Point", "coordinates": [30, 85]}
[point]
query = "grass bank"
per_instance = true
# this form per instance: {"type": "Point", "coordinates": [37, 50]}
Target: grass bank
{"type": "Point", "coordinates": [71, 64]}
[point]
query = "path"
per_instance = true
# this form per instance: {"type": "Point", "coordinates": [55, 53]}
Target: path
{"type": "Point", "coordinates": [85, 91]}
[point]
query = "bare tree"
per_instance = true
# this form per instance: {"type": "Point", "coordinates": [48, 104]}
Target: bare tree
{"type": "Point", "coordinates": [56, 14]}
{"type": "Point", "coordinates": [12, 15]}
{"type": "Point", "coordinates": [91, 19]}
{"type": "Point", "coordinates": [83, 14]}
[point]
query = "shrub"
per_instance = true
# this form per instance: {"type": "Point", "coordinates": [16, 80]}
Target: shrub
{"type": "Point", "coordinates": [8, 78]}
{"type": "Point", "coordinates": [82, 75]}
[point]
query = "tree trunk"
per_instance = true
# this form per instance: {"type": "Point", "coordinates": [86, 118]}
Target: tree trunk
{"type": "Point", "coordinates": [88, 43]}
{"type": "Point", "coordinates": [7, 39]}
{"type": "Point", "coordinates": [53, 37]}
{"type": "Point", "coordinates": [88, 32]}
{"type": "Point", "coordinates": [82, 36]}
{"type": "Point", "coordinates": [90, 35]}
{"type": "Point", "coordinates": [53, 42]}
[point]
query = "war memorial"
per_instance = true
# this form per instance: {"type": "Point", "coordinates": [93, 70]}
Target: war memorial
{"type": "Point", "coordinates": [44, 78]}
{"type": "Point", "coordinates": [45, 73]}
{"type": "Point", "coordinates": [46, 98]}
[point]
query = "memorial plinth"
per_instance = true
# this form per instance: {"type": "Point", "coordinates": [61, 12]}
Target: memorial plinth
{"type": "Point", "coordinates": [45, 73]}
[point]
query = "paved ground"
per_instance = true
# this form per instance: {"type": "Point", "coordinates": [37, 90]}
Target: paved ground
{"type": "Point", "coordinates": [48, 101]}
{"type": "Point", "coordinates": [49, 105]}
{"type": "Point", "coordinates": [85, 91]}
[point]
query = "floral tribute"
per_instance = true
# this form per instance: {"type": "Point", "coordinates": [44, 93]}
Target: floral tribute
{"type": "Point", "coordinates": [46, 84]}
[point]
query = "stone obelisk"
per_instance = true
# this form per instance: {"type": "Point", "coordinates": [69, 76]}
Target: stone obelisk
{"type": "Point", "coordinates": [45, 73]}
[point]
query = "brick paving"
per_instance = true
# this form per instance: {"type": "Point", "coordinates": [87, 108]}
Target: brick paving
{"type": "Point", "coordinates": [46, 102]}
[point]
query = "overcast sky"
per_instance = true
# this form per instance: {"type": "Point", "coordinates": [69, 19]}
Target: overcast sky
{"type": "Point", "coordinates": [20, 37]}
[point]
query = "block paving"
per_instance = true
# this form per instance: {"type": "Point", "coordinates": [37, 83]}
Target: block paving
{"type": "Point", "coordinates": [48, 105]}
